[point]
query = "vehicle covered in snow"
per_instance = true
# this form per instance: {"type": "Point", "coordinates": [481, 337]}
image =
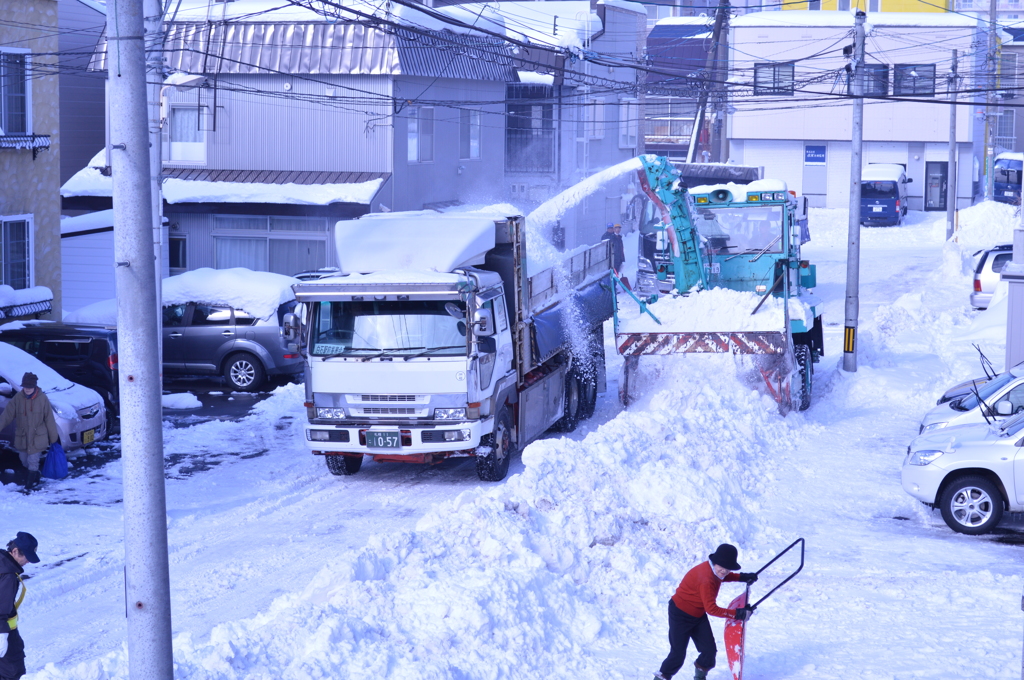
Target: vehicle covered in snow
{"type": "Point", "coordinates": [883, 194]}
{"type": "Point", "coordinates": [987, 400]}
{"type": "Point", "coordinates": [728, 248]}
{"type": "Point", "coordinates": [225, 322]}
{"type": "Point", "coordinates": [971, 473]}
{"type": "Point", "coordinates": [78, 411]}
{"type": "Point", "coordinates": [437, 340]}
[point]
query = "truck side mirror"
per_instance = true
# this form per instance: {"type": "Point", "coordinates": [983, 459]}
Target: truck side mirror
{"type": "Point", "coordinates": [291, 327]}
{"type": "Point", "coordinates": [483, 319]}
{"type": "Point", "coordinates": [1004, 408]}
{"type": "Point", "coordinates": [909, 180]}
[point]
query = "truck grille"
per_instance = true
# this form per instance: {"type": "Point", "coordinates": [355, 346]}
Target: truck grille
{"type": "Point", "coordinates": [388, 411]}
{"type": "Point", "coordinates": [389, 397]}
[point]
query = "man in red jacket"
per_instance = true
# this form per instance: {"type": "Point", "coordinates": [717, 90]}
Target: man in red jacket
{"type": "Point", "coordinates": [689, 608]}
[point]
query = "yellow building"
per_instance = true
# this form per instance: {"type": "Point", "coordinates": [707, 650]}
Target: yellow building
{"type": "Point", "coordinates": [874, 5]}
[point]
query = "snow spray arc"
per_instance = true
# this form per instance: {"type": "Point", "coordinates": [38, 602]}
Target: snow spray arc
{"type": "Point", "coordinates": [736, 631]}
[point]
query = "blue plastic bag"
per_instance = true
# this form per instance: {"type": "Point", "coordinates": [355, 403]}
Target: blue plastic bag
{"type": "Point", "coordinates": [56, 464]}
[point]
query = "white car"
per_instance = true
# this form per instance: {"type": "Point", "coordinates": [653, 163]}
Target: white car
{"type": "Point", "coordinates": [79, 412]}
{"type": "Point", "coordinates": [1003, 395]}
{"type": "Point", "coordinates": [968, 473]}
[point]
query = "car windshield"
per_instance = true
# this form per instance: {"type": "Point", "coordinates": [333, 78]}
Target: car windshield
{"type": "Point", "coordinates": [985, 391]}
{"type": "Point", "coordinates": [742, 230]}
{"type": "Point", "coordinates": [395, 327]}
{"type": "Point", "coordinates": [878, 190]}
{"type": "Point", "coordinates": [1008, 171]}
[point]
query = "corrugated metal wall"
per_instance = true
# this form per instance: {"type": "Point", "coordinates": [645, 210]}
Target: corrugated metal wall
{"type": "Point", "coordinates": [278, 122]}
{"type": "Point", "coordinates": [87, 271]}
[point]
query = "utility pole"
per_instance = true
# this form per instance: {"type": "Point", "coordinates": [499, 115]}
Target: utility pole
{"type": "Point", "coordinates": [719, 75]}
{"type": "Point", "coordinates": [990, 132]}
{"type": "Point", "coordinates": [853, 247]}
{"type": "Point", "coordinates": [147, 585]}
{"type": "Point", "coordinates": [951, 170]}
{"type": "Point", "coordinates": [710, 66]}
{"type": "Point", "coordinates": [153, 14]}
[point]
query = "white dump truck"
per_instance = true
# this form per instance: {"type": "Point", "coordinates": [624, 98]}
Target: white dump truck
{"type": "Point", "coordinates": [436, 340]}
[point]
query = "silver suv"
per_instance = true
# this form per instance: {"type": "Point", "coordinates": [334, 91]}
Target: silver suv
{"type": "Point", "coordinates": [986, 274]}
{"type": "Point", "coordinates": [218, 339]}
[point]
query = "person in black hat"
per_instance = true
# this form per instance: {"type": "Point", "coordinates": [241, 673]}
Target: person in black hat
{"type": "Point", "coordinates": [34, 426]}
{"type": "Point", "coordinates": [689, 608]}
{"type": "Point", "coordinates": [20, 552]}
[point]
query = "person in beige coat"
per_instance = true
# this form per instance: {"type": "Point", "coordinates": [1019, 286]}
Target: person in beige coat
{"type": "Point", "coordinates": [35, 427]}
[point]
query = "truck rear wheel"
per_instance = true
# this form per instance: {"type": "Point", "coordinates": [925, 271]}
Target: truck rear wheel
{"type": "Point", "coordinates": [494, 466]}
{"type": "Point", "coordinates": [805, 361]}
{"type": "Point", "coordinates": [572, 404]}
{"type": "Point", "coordinates": [343, 465]}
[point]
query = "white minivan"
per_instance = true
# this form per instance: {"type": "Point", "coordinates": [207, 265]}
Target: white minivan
{"type": "Point", "coordinates": [1003, 396]}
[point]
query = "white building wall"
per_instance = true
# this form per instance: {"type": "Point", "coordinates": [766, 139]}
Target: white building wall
{"type": "Point", "coordinates": [87, 269]}
{"type": "Point", "coordinates": [781, 158]}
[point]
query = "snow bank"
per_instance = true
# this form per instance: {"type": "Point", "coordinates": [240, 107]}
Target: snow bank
{"type": "Point", "coordinates": [182, 401]}
{"type": "Point", "coordinates": [102, 313]}
{"type": "Point", "coordinates": [715, 310]}
{"type": "Point", "coordinates": [985, 225]}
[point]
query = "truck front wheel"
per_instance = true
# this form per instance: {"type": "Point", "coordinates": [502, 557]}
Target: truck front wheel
{"type": "Point", "coordinates": [494, 466]}
{"type": "Point", "coordinates": [343, 465]}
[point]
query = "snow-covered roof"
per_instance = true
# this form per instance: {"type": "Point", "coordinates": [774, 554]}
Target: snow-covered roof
{"type": "Point", "coordinates": [98, 220]}
{"type": "Point", "coordinates": [258, 293]}
{"type": "Point", "coordinates": [90, 181]}
{"type": "Point", "coordinates": [535, 78]}
{"type": "Point", "coordinates": [840, 19]}
{"type": "Point", "coordinates": [882, 172]}
{"type": "Point", "coordinates": [686, 21]}
{"type": "Point", "coordinates": [740, 191]}
{"type": "Point", "coordinates": [1010, 156]}
{"type": "Point", "coordinates": [24, 301]}
{"type": "Point", "coordinates": [415, 241]}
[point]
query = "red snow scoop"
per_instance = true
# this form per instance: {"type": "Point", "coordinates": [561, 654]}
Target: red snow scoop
{"type": "Point", "coordinates": [736, 631]}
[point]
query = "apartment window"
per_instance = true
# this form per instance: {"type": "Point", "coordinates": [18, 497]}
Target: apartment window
{"type": "Point", "coordinates": [421, 134]}
{"type": "Point", "coordinates": [814, 4]}
{"type": "Point", "coordinates": [13, 94]}
{"type": "Point", "coordinates": [668, 120]}
{"type": "Point", "coordinates": [1008, 71]}
{"type": "Point", "coordinates": [186, 134]}
{"type": "Point", "coordinates": [843, 5]}
{"type": "Point", "coordinates": [773, 79]}
{"type": "Point", "coordinates": [914, 80]}
{"type": "Point", "coordinates": [873, 5]}
{"type": "Point", "coordinates": [629, 123]}
{"type": "Point", "coordinates": [965, 4]}
{"type": "Point", "coordinates": [469, 134]}
{"type": "Point", "coordinates": [530, 128]}
{"type": "Point", "coordinates": [594, 116]}
{"type": "Point", "coordinates": [176, 253]}
{"type": "Point", "coordinates": [876, 79]}
{"type": "Point", "coordinates": [1005, 128]}
{"type": "Point", "coordinates": [15, 251]}
{"type": "Point", "coordinates": [283, 245]}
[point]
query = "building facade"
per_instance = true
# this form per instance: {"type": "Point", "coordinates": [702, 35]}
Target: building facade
{"type": "Point", "coordinates": [793, 117]}
{"type": "Point", "coordinates": [29, 157]}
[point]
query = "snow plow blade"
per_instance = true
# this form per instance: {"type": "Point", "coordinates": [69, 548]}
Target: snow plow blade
{"type": "Point", "coordinates": [748, 342]}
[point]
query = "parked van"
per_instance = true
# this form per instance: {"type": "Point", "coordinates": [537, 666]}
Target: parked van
{"type": "Point", "coordinates": [1007, 171]}
{"type": "Point", "coordinates": [883, 194]}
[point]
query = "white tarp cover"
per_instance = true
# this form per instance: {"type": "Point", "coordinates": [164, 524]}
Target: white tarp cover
{"type": "Point", "coordinates": [392, 241]}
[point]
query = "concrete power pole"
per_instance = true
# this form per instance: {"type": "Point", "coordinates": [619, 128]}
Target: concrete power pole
{"type": "Point", "coordinates": [153, 13]}
{"type": "Point", "coordinates": [853, 248]}
{"type": "Point", "coordinates": [147, 585]}
{"type": "Point", "coordinates": [710, 67]}
{"type": "Point", "coordinates": [951, 171]}
{"type": "Point", "coordinates": [990, 131]}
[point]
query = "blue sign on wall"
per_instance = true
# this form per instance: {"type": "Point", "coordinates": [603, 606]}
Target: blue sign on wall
{"type": "Point", "coordinates": [814, 155]}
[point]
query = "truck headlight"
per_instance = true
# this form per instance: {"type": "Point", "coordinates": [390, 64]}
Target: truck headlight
{"type": "Point", "coordinates": [932, 426]}
{"type": "Point", "coordinates": [330, 413]}
{"type": "Point", "coordinates": [449, 414]}
{"type": "Point", "coordinates": [923, 457]}
{"type": "Point", "coordinates": [458, 435]}
{"type": "Point", "coordinates": [318, 435]}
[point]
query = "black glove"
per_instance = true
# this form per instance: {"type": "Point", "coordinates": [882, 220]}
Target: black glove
{"type": "Point", "coordinates": [743, 613]}
{"type": "Point", "coordinates": [748, 577]}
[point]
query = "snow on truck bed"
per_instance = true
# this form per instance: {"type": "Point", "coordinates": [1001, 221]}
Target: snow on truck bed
{"type": "Point", "coordinates": [717, 310]}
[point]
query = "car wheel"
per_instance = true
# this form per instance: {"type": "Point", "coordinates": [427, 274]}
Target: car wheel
{"type": "Point", "coordinates": [806, 363]}
{"type": "Point", "coordinates": [972, 505]}
{"type": "Point", "coordinates": [494, 466]}
{"type": "Point", "coordinates": [343, 465]}
{"type": "Point", "coordinates": [244, 372]}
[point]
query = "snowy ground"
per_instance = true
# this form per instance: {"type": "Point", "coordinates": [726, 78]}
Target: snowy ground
{"type": "Point", "coordinates": [563, 571]}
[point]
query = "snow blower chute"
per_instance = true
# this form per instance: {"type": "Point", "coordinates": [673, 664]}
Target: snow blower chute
{"type": "Point", "coordinates": [723, 246]}
{"type": "Point", "coordinates": [736, 631]}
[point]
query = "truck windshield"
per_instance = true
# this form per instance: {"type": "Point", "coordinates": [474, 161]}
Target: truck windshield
{"type": "Point", "coordinates": [1008, 171]}
{"type": "Point", "coordinates": [742, 230]}
{"type": "Point", "coordinates": [395, 327]}
{"type": "Point", "coordinates": [878, 190]}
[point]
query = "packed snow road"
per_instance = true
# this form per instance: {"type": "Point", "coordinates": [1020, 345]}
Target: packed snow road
{"type": "Point", "coordinates": [564, 570]}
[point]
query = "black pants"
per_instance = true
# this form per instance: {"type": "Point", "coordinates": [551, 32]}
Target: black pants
{"type": "Point", "coordinates": [12, 665]}
{"type": "Point", "coordinates": [681, 629]}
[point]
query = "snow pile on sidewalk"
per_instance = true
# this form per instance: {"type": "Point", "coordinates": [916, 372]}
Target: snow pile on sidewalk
{"type": "Point", "coordinates": [985, 225]}
{"type": "Point", "coordinates": [717, 310]}
{"type": "Point", "coordinates": [182, 401]}
{"type": "Point", "coordinates": [516, 580]}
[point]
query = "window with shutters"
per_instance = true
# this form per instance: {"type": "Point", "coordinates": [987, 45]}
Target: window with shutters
{"type": "Point", "coordinates": [16, 251]}
{"type": "Point", "coordinates": [14, 94]}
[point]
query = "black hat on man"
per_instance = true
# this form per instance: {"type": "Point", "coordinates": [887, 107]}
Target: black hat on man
{"type": "Point", "coordinates": [27, 544]}
{"type": "Point", "coordinates": [725, 556]}
{"type": "Point", "coordinates": [29, 380]}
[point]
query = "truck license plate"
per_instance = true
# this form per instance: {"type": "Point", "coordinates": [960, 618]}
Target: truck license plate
{"type": "Point", "coordinates": [876, 208]}
{"type": "Point", "coordinates": [88, 436]}
{"type": "Point", "coordinates": [378, 439]}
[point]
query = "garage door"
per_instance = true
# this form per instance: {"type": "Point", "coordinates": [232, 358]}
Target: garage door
{"type": "Point", "coordinates": [782, 159]}
{"type": "Point", "coordinates": [838, 175]}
